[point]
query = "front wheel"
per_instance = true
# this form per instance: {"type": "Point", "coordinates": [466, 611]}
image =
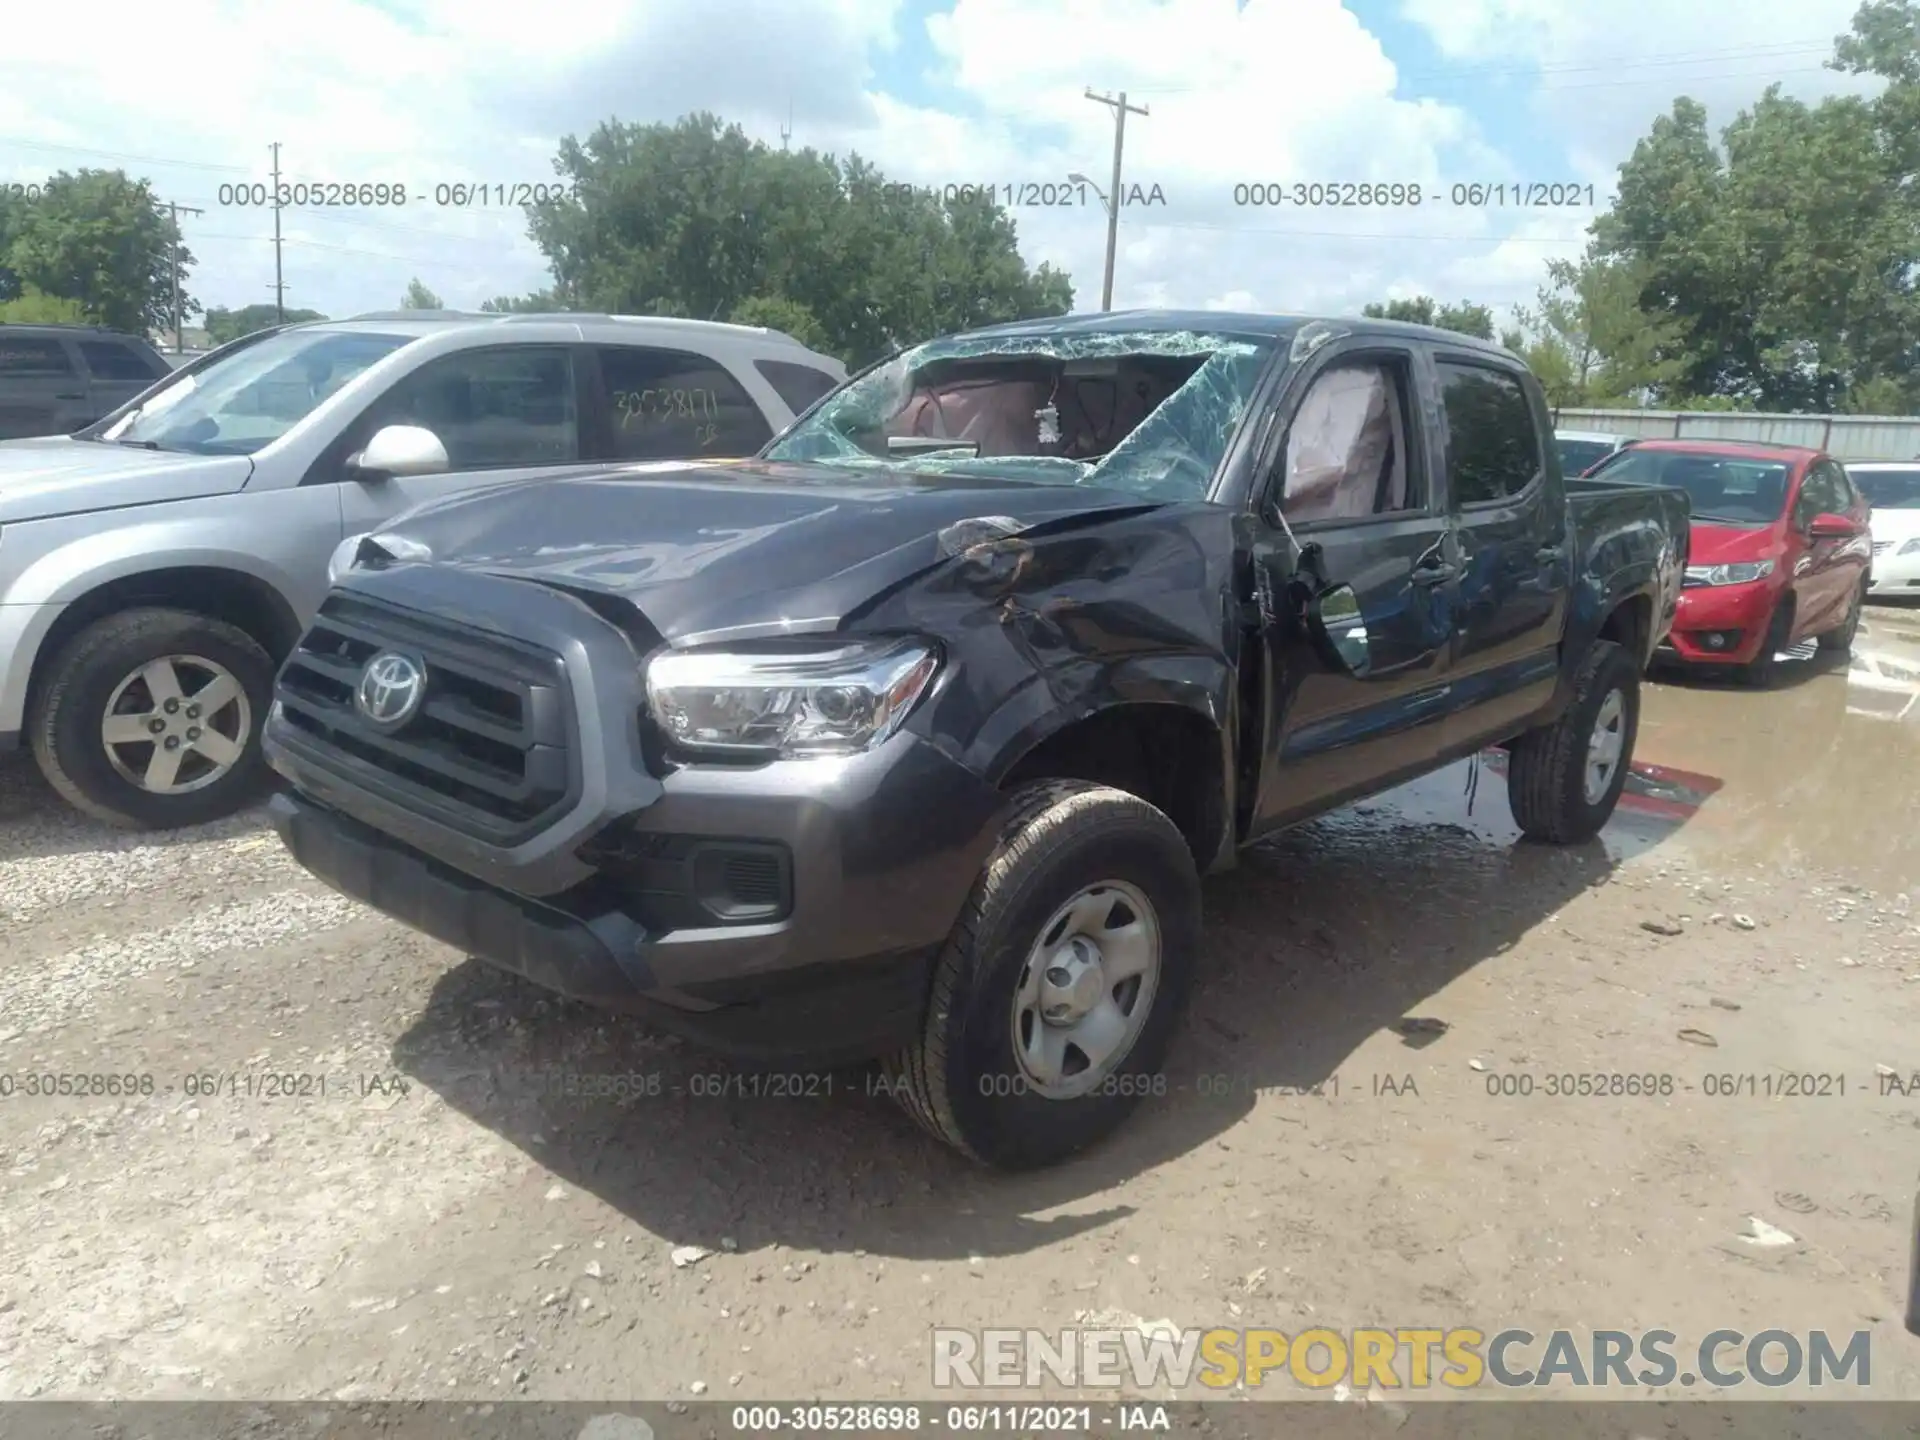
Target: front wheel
{"type": "Point", "coordinates": [1564, 779]}
{"type": "Point", "coordinates": [1758, 673]}
{"type": "Point", "coordinates": [150, 719]}
{"type": "Point", "coordinates": [1058, 991]}
{"type": "Point", "coordinates": [1839, 641]}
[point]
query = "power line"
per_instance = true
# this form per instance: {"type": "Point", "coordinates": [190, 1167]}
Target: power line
{"type": "Point", "coordinates": [322, 245]}
{"type": "Point", "coordinates": [1779, 50]}
{"type": "Point", "coordinates": [118, 155]}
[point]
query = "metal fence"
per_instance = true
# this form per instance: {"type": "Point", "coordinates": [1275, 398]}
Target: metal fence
{"type": "Point", "coordinates": [1845, 437]}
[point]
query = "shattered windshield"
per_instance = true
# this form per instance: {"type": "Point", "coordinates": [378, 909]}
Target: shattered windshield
{"type": "Point", "coordinates": [1150, 412]}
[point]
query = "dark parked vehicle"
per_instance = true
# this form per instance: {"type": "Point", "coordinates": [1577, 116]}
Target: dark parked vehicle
{"type": "Point", "coordinates": [56, 379]}
{"type": "Point", "coordinates": [912, 738]}
{"type": "Point", "coordinates": [1781, 549]}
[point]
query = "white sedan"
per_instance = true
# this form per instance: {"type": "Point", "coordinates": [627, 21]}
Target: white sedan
{"type": "Point", "coordinates": [1893, 490]}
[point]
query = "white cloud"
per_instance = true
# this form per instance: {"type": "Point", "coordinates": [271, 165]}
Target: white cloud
{"type": "Point", "coordinates": [426, 91]}
{"type": "Point", "coordinates": [1602, 72]}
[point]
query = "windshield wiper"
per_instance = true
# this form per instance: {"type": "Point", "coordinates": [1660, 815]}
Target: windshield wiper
{"type": "Point", "coordinates": [1726, 520]}
{"type": "Point", "coordinates": [140, 444]}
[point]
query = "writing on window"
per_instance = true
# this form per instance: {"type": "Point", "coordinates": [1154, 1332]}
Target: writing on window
{"type": "Point", "coordinates": [659, 406]}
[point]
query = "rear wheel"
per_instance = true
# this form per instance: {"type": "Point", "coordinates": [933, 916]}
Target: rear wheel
{"type": "Point", "coordinates": [1564, 779]}
{"type": "Point", "coordinates": [1839, 641]}
{"type": "Point", "coordinates": [1059, 989]}
{"type": "Point", "coordinates": [1759, 671]}
{"type": "Point", "coordinates": [150, 719]}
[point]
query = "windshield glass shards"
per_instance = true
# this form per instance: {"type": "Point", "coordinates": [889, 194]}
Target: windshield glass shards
{"type": "Point", "coordinates": [1152, 413]}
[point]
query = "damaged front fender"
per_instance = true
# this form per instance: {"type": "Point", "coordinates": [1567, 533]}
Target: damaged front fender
{"type": "Point", "coordinates": [1050, 626]}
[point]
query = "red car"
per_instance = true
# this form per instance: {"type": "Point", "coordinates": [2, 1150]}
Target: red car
{"type": "Point", "coordinates": [1779, 553]}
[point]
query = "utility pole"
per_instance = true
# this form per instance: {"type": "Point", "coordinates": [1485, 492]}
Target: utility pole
{"type": "Point", "coordinates": [279, 288]}
{"type": "Point", "coordinates": [786, 130]}
{"type": "Point", "coordinates": [1120, 109]}
{"type": "Point", "coordinates": [179, 344]}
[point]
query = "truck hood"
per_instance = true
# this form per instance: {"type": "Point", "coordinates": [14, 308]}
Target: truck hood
{"type": "Point", "coordinates": [57, 475]}
{"type": "Point", "coordinates": [754, 548]}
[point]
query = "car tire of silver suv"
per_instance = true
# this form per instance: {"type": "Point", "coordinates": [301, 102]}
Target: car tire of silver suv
{"type": "Point", "coordinates": [1061, 985]}
{"type": "Point", "coordinates": [150, 719]}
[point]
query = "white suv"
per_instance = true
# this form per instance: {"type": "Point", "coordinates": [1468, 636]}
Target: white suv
{"type": "Point", "coordinates": [156, 566]}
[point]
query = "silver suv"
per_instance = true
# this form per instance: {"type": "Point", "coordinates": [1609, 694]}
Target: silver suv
{"type": "Point", "coordinates": [156, 567]}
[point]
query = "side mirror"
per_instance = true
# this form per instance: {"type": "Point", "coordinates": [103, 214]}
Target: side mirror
{"type": "Point", "coordinates": [1339, 630]}
{"type": "Point", "coordinates": [1832, 527]}
{"type": "Point", "coordinates": [400, 450]}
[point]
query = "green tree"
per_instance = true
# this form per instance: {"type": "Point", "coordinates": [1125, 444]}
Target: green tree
{"type": "Point", "coordinates": [32, 307]}
{"type": "Point", "coordinates": [101, 239]}
{"type": "Point", "coordinates": [1591, 342]}
{"type": "Point", "coordinates": [419, 297]}
{"type": "Point", "coordinates": [776, 312]}
{"type": "Point", "coordinates": [1788, 257]}
{"type": "Point", "coordinates": [223, 325]}
{"type": "Point", "coordinates": [1465, 318]}
{"type": "Point", "coordinates": [695, 219]}
{"type": "Point", "coordinates": [541, 302]}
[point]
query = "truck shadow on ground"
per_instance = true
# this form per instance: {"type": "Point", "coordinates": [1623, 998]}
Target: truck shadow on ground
{"type": "Point", "coordinates": [1322, 939]}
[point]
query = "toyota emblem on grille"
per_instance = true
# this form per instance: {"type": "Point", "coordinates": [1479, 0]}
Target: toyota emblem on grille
{"type": "Point", "coordinates": [391, 688]}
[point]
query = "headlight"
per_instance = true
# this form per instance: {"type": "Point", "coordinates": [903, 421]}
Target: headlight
{"type": "Point", "coordinates": [342, 559]}
{"type": "Point", "coordinates": [831, 701]}
{"type": "Point", "coordinates": [1912, 547]}
{"type": "Point", "coordinates": [1742, 574]}
{"type": "Point", "coordinates": [396, 547]}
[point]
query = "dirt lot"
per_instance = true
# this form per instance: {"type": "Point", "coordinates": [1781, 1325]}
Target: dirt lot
{"type": "Point", "coordinates": [435, 1226]}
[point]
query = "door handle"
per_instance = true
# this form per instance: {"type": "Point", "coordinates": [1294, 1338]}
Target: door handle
{"type": "Point", "coordinates": [1434, 572]}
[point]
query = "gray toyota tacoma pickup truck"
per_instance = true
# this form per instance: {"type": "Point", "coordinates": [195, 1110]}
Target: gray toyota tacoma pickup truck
{"type": "Point", "coordinates": [910, 739]}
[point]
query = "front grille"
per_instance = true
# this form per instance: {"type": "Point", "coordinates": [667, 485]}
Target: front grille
{"type": "Point", "coordinates": [488, 749]}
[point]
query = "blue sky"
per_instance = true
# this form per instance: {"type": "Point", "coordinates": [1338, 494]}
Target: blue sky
{"type": "Point", "coordinates": [934, 91]}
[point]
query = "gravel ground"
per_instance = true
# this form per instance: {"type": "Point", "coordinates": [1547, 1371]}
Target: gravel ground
{"type": "Point", "coordinates": [435, 1225]}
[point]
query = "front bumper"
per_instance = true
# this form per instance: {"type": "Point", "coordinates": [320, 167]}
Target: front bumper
{"type": "Point", "coordinates": [1721, 624]}
{"type": "Point", "coordinates": [1895, 575]}
{"type": "Point", "coordinates": [880, 852]}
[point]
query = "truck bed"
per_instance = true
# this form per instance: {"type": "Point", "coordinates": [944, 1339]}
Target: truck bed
{"type": "Point", "coordinates": [1623, 529]}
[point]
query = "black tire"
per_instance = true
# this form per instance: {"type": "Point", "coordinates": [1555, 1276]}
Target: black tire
{"type": "Point", "coordinates": [1839, 641]}
{"type": "Point", "coordinates": [1547, 773]}
{"type": "Point", "coordinates": [69, 706]}
{"type": "Point", "coordinates": [1758, 672]}
{"type": "Point", "coordinates": [962, 1080]}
